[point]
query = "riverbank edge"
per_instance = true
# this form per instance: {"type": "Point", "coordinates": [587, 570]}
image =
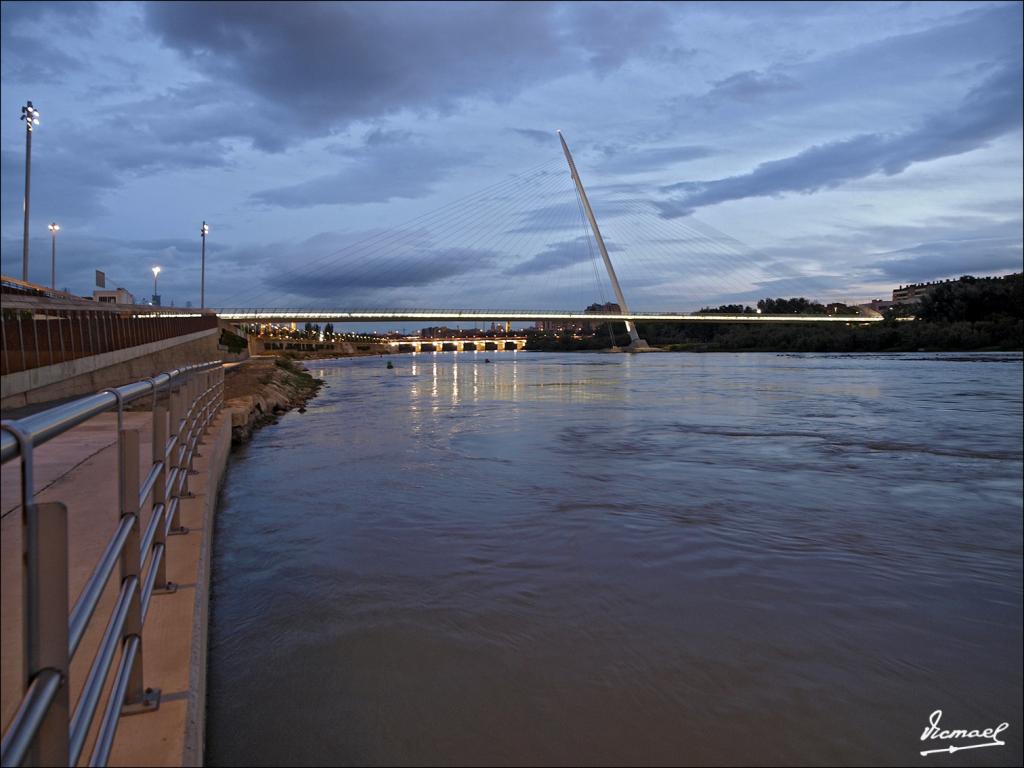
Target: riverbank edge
{"type": "Point", "coordinates": [195, 718]}
{"type": "Point", "coordinates": [277, 390]}
{"type": "Point", "coordinates": [272, 387]}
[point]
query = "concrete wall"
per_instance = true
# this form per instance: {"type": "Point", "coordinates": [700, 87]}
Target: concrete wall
{"type": "Point", "coordinates": [110, 369]}
{"type": "Point", "coordinates": [206, 489]}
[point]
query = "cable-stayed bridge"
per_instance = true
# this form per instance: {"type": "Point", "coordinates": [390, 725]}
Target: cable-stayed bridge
{"type": "Point", "coordinates": [533, 241]}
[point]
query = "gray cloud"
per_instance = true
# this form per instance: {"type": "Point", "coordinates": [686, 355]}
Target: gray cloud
{"type": "Point", "coordinates": [68, 185]}
{"type": "Point", "coordinates": [373, 174]}
{"type": "Point", "coordinates": [688, 296]}
{"type": "Point", "coordinates": [71, 177]}
{"type": "Point", "coordinates": [898, 69]}
{"type": "Point", "coordinates": [985, 113]}
{"type": "Point", "coordinates": [619, 159]}
{"type": "Point", "coordinates": [126, 263]}
{"type": "Point", "coordinates": [33, 57]}
{"type": "Point", "coordinates": [559, 255]}
{"type": "Point", "coordinates": [380, 137]}
{"type": "Point", "coordinates": [816, 287]}
{"type": "Point", "coordinates": [544, 138]}
{"type": "Point", "coordinates": [28, 60]}
{"type": "Point", "coordinates": [415, 268]}
{"type": "Point", "coordinates": [951, 258]}
{"type": "Point", "coordinates": [334, 266]}
{"type": "Point", "coordinates": [314, 66]}
{"type": "Point", "coordinates": [998, 220]}
{"type": "Point", "coordinates": [558, 217]}
{"type": "Point", "coordinates": [873, 257]}
{"type": "Point", "coordinates": [749, 85]}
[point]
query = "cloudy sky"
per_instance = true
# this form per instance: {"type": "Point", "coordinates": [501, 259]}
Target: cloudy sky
{"type": "Point", "coordinates": [370, 155]}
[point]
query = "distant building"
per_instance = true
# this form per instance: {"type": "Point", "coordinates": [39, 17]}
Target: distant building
{"type": "Point", "coordinates": [116, 296]}
{"type": "Point", "coordinates": [557, 326]}
{"type": "Point", "coordinates": [608, 308]}
{"type": "Point", "coordinates": [878, 305]}
{"type": "Point", "coordinates": [911, 294]}
{"type": "Point", "coordinates": [440, 332]}
{"type": "Point", "coordinates": [579, 326]}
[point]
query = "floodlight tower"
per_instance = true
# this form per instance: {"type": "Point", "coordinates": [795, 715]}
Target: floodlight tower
{"type": "Point", "coordinates": [54, 229]}
{"type": "Point", "coordinates": [31, 117]}
{"type": "Point", "coordinates": [156, 296]}
{"type": "Point", "coordinates": [203, 232]}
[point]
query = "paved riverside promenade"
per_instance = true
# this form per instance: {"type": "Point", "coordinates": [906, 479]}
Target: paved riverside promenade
{"type": "Point", "coordinates": [79, 468]}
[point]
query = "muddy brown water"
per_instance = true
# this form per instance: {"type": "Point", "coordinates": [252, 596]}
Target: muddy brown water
{"type": "Point", "coordinates": [616, 559]}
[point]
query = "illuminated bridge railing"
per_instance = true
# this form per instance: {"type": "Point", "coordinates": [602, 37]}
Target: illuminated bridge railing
{"type": "Point", "coordinates": [270, 315]}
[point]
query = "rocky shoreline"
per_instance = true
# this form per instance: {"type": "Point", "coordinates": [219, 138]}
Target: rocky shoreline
{"type": "Point", "coordinates": [262, 389]}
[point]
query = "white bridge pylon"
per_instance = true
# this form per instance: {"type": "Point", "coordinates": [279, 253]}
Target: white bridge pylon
{"type": "Point", "coordinates": [635, 340]}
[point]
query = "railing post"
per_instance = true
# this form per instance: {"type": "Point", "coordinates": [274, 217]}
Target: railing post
{"type": "Point", "coordinates": [201, 404]}
{"type": "Point", "coordinates": [185, 393]}
{"type": "Point", "coordinates": [160, 584]}
{"type": "Point", "coordinates": [213, 395]}
{"type": "Point", "coordinates": [173, 430]}
{"type": "Point", "coordinates": [192, 406]}
{"type": "Point", "coordinates": [207, 400]}
{"type": "Point", "coordinates": [137, 697]}
{"type": "Point", "coordinates": [35, 338]}
{"type": "Point", "coordinates": [49, 341]}
{"type": "Point", "coordinates": [45, 527]}
{"type": "Point", "coordinates": [21, 342]}
{"type": "Point", "coordinates": [180, 487]}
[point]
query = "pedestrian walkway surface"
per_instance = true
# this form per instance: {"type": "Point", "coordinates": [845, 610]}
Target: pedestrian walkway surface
{"type": "Point", "coordinates": [79, 469]}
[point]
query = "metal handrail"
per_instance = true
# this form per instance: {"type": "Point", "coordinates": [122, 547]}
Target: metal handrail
{"type": "Point", "coordinates": [25, 724]}
{"type": "Point", "coordinates": [149, 536]}
{"type": "Point", "coordinates": [47, 424]}
{"type": "Point", "coordinates": [85, 711]}
{"type": "Point", "coordinates": [149, 483]}
{"type": "Point", "coordinates": [90, 596]}
{"type": "Point", "coordinates": [42, 730]}
{"type": "Point", "coordinates": [108, 727]}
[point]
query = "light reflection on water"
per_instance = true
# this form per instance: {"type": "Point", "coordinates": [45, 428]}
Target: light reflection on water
{"type": "Point", "coordinates": [601, 559]}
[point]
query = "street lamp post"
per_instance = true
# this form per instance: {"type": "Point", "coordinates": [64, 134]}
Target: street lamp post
{"type": "Point", "coordinates": [31, 117]}
{"type": "Point", "coordinates": [156, 296]}
{"type": "Point", "coordinates": [54, 229]}
{"type": "Point", "coordinates": [203, 231]}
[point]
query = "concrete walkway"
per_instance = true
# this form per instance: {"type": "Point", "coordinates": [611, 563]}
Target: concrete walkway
{"type": "Point", "coordinates": [79, 469]}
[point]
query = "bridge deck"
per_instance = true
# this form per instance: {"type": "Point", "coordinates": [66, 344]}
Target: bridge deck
{"type": "Point", "coordinates": [512, 315]}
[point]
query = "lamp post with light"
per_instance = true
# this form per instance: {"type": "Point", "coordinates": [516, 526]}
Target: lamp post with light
{"type": "Point", "coordinates": [156, 296]}
{"type": "Point", "coordinates": [203, 231]}
{"type": "Point", "coordinates": [31, 117]}
{"type": "Point", "coordinates": [54, 229]}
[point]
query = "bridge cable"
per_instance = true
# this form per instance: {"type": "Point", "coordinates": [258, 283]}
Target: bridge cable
{"type": "Point", "coordinates": [449, 211]}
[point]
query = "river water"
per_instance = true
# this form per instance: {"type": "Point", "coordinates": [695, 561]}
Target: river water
{"type": "Point", "coordinates": [642, 559]}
